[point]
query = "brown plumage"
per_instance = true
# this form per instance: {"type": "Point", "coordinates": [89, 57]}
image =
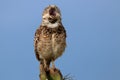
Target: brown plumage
{"type": "Point", "coordinates": [50, 37]}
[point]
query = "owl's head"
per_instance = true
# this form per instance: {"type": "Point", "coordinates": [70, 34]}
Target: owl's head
{"type": "Point", "coordinates": [51, 14]}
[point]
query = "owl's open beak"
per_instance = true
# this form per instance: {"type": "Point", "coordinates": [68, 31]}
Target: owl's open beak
{"type": "Point", "coordinates": [52, 12]}
{"type": "Point", "coordinates": [53, 15]}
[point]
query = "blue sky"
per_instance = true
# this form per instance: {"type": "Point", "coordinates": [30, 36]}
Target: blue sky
{"type": "Point", "coordinates": [93, 38]}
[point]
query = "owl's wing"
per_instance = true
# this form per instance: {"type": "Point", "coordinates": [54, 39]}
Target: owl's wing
{"type": "Point", "coordinates": [36, 40]}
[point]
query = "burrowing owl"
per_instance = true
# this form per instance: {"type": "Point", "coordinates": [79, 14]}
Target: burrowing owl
{"type": "Point", "coordinates": [50, 37]}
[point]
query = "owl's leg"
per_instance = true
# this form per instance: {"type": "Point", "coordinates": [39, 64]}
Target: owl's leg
{"type": "Point", "coordinates": [43, 74]}
{"type": "Point", "coordinates": [42, 71]}
{"type": "Point", "coordinates": [46, 65]}
{"type": "Point", "coordinates": [41, 64]}
{"type": "Point", "coordinates": [41, 68]}
{"type": "Point", "coordinates": [53, 65]}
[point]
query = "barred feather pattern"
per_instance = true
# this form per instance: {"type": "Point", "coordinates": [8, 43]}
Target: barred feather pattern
{"type": "Point", "coordinates": [49, 43]}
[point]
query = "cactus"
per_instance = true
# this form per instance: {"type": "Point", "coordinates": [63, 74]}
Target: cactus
{"type": "Point", "coordinates": [51, 74]}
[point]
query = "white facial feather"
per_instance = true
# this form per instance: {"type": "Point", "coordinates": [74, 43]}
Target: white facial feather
{"type": "Point", "coordinates": [50, 25]}
{"type": "Point", "coordinates": [53, 25]}
{"type": "Point", "coordinates": [45, 16]}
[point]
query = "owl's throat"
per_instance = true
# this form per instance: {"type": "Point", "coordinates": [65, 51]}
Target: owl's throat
{"type": "Point", "coordinates": [52, 20]}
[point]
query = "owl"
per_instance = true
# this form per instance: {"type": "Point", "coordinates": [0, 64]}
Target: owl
{"type": "Point", "coordinates": [50, 37]}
